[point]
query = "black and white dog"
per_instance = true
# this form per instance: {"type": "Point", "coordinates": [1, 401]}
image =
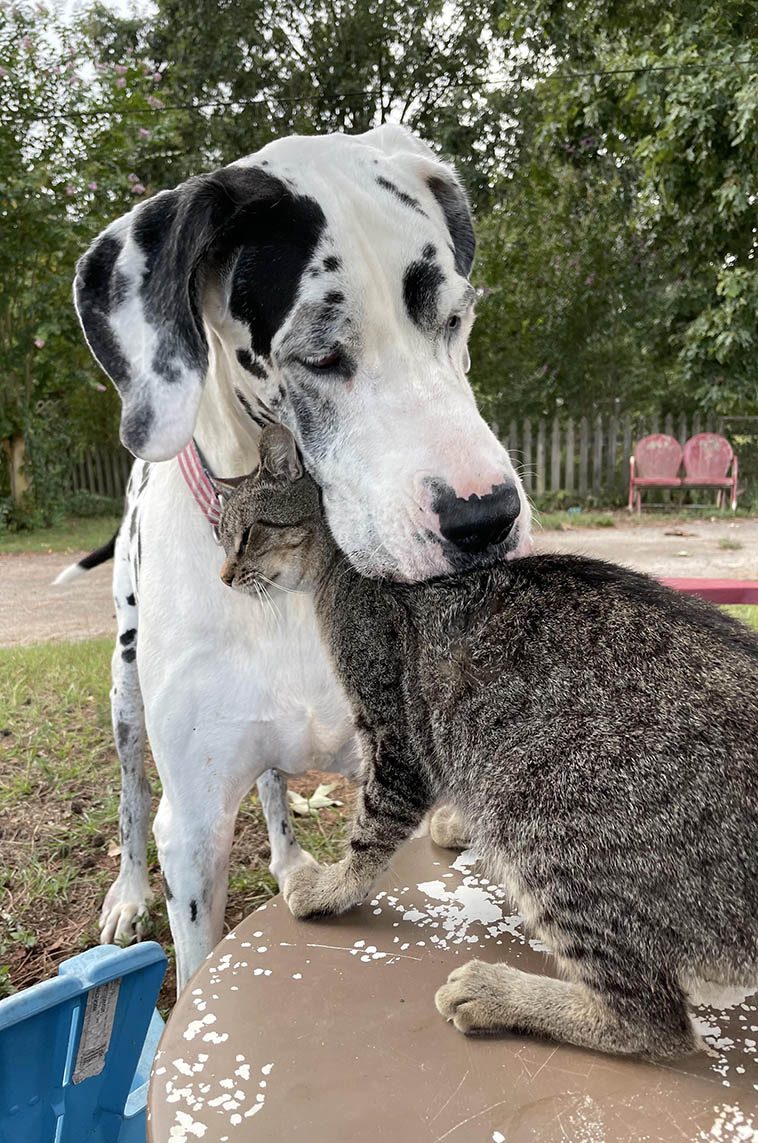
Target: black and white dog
{"type": "Point", "coordinates": [322, 282]}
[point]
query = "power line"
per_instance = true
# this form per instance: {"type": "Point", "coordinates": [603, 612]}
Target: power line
{"type": "Point", "coordinates": [377, 91]}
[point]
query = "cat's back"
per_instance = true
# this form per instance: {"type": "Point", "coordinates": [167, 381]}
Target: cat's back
{"type": "Point", "coordinates": [548, 631]}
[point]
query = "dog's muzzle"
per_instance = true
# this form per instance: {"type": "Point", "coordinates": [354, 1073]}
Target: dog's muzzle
{"type": "Point", "coordinates": [472, 525]}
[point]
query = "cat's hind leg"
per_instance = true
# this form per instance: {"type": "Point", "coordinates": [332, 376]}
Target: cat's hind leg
{"type": "Point", "coordinates": [649, 1020]}
{"type": "Point", "coordinates": [448, 828]}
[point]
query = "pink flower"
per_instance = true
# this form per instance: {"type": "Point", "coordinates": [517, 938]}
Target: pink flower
{"type": "Point", "coordinates": [39, 342]}
{"type": "Point", "coordinates": [132, 178]}
{"type": "Point", "coordinates": [70, 190]}
{"type": "Point", "coordinates": [144, 133]}
{"type": "Point", "coordinates": [157, 77]}
{"type": "Point", "coordinates": [121, 82]}
{"type": "Point", "coordinates": [3, 71]}
{"type": "Point", "coordinates": [154, 101]}
{"type": "Point", "coordinates": [120, 69]}
{"type": "Point", "coordinates": [92, 186]}
{"type": "Point", "coordinates": [26, 42]}
{"type": "Point", "coordinates": [101, 388]}
{"type": "Point", "coordinates": [137, 188]}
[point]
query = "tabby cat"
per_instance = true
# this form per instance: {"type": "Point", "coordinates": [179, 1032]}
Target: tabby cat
{"type": "Point", "coordinates": [598, 732]}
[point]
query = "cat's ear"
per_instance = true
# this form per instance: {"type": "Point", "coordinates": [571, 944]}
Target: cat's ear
{"type": "Point", "coordinates": [279, 456]}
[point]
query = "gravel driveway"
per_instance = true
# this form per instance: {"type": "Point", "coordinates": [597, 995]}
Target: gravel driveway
{"type": "Point", "coordinates": [32, 611]}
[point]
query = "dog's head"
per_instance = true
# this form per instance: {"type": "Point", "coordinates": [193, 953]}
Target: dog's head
{"type": "Point", "coordinates": [329, 276]}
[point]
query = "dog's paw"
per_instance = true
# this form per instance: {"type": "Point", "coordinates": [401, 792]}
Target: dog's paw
{"type": "Point", "coordinates": [124, 912]}
{"type": "Point", "coordinates": [296, 858]}
{"type": "Point", "coordinates": [448, 828]}
{"type": "Point", "coordinates": [480, 997]}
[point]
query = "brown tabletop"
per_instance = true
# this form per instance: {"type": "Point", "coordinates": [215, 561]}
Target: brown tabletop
{"type": "Point", "coordinates": [326, 1031]}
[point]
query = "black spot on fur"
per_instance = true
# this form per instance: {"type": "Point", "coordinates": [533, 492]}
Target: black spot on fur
{"type": "Point", "coordinates": [131, 601]}
{"type": "Point", "coordinates": [453, 204]}
{"type": "Point", "coordinates": [334, 298]}
{"type": "Point", "coordinates": [122, 733]}
{"type": "Point", "coordinates": [277, 245]}
{"type": "Point", "coordinates": [133, 524]}
{"type": "Point", "coordinates": [129, 655]}
{"type": "Point", "coordinates": [421, 283]}
{"type": "Point", "coordinates": [245, 358]}
{"type": "Point", "coordinates": [193, 910]}
{"type": "Point", "coordinates": [284, 827]}
{"type": "Point", "coordinates": [332, 262]}
{"type": "Point", "coordinates": [401, 195]}
{"type": "Point", "coordinates": [136, 425]}
{"type": "Point", "coordinates": [145, 477]}
{"type": "Point", "coordinates": [167, 890]}
{"type": "Point", "coordinates": [429, 251]}
{"type": "Point", "coordinates": [128, 636]}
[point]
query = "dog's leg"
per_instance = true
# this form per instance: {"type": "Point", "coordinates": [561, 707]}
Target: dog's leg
{"type": "Point", "coordinates": [286, 852]}
{"type": "Point", "coordinates": [127, 900]}
{"type": "Point", "coordinates": [390, 806]}
{"type": "Point", "coordinates": [194, 841]}
{"type": "Point", "coordinates": [492, 998]}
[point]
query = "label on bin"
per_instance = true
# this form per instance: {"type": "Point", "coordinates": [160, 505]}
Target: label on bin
{"type": "Point", "coordinates": [96, 1030]}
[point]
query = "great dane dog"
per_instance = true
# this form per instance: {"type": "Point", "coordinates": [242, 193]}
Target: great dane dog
{"type": "Point", "coordinates": [322, 282]}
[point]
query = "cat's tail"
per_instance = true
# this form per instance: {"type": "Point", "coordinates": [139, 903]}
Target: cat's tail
{"type": "Point", "coordinates": [87, 563]}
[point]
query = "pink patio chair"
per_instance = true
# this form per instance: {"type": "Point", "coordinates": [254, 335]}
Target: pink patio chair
{"type": "Point", "coordinates": [707, 460]}
{"type": "Point", "coordinates": [654, 464]}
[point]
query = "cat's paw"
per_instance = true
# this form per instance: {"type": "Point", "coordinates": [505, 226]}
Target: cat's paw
{"type": "Point", "coordinates": [318, 891]}
{"type": "Point", "coordinates": [481, 997]}
{"type": "Point", "coordinates": [448, 828]}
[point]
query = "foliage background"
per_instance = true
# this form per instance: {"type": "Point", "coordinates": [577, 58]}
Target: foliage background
{"type": "Point", "coordinates": [609, 151]}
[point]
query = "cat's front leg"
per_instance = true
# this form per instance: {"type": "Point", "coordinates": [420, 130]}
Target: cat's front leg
{"type": "Point", "coordinates": [391, 804]}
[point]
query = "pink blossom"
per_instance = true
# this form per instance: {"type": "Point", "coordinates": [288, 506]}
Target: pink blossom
{"type": "Point", "coordinates": [101, 388]}
{"type": "Point", "coordinates": [26, 42]}
{"type": "Point", "coordinates": [70, 190]}
{"type": "Point", "coordinates": [121, 69]}
{"type": "Point", "coordinates": [137, 188]}
{"type": "Point", "coordinates": [39, 342]}
{"type": "Point", "coordinates": [157, 77]}
{"type": "Point", "coordinates": [92, 186]}
{"type": "Point", "coordinates": [132, 178]}
{"type": "Point", "coordinates": [144, 133]}
{"type": "Point", "coordinates": [121, 82]}
{"type": "Point", "coordinates": [154, 101]}
{"type": "Point", "coordinates": [588, 281]}
{"type": "Point", "coordinates": [3, 72]}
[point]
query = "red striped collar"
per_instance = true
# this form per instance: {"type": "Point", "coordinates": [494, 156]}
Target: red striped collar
{"type": "Point", "coordinates": [208, 495]}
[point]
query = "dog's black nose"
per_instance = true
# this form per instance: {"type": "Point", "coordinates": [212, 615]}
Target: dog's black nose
{"type": "Point", "coordinates": [479, 522]}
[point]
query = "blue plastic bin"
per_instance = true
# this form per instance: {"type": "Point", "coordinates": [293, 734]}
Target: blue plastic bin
{"type": "Point", "coordinates": [76, 1051]}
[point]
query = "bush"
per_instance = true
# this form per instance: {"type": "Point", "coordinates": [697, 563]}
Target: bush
{"type": "Point", "coordinates": [89, 504]}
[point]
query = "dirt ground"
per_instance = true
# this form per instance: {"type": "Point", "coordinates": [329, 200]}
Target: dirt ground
{"type": "Point", "coordinates": [33, 611]}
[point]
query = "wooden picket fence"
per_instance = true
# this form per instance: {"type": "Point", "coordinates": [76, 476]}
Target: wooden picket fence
{"type": "Point", "coordinates": [589, 455]}
{"type": "Point", "coordinates": [585, 456]}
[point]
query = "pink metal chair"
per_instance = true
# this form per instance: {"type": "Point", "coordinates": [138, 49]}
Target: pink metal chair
{"type": "Point", "coordinates": [654, 464]}
{"type": "Point", "coordinates": [707, 460]}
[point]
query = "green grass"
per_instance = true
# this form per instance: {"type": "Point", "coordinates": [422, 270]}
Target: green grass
{"type": "Point", "coordinates": [748, 613]}
{"type": "Point", "coordinates": [72, 534]}
{"type": "Point", "coordinates": [560, 521]}
{"type": "Point", "coordinates": [59, 787]}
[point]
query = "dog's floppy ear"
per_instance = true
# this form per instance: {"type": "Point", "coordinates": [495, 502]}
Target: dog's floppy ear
{"type": "Point", "coordinates": [139, 292]}
{"type": "Point", "coordinates": [279, 456]}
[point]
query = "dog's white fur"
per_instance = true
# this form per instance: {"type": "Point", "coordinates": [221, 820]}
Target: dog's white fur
{"type": "Point", "coordinates": [231, 689]}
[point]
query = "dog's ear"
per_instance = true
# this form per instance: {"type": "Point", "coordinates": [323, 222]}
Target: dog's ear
{"type": "Point", "coordinates": [139, 292]}
{"type": "Point", "coordinates": [279, 456]}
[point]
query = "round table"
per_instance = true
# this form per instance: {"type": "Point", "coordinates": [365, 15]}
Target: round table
{"type": "Point", "coordinates": [326, 1032]}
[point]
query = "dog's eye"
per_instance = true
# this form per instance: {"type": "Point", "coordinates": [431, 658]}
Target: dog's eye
{"type": "Point", "coordinates": [453, 323]}
{"type": "Point", "coordinates": [328, 361]}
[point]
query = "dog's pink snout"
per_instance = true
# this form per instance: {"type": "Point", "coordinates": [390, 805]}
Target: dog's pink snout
{"type": "Point", "coordinates": [476, 522]}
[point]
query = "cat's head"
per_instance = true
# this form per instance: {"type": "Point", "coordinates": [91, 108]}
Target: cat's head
{"type": "Point", "coordinates": [272, 523]}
